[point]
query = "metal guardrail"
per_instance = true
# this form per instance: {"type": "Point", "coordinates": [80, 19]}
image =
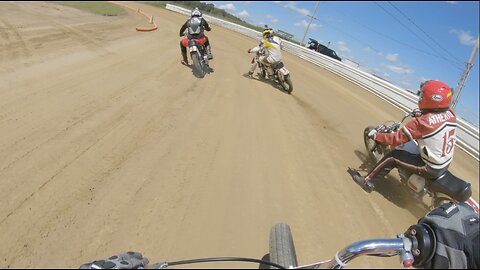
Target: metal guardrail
{"type": "Point", "coordinates": [468, 135]}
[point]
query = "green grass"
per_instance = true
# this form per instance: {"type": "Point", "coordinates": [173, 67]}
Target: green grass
{"type": "Point", "coordinates": [161, 4]}
{"type": "Point", "coordinates": [97, 7]}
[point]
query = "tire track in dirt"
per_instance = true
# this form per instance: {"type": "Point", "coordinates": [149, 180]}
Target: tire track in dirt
{"type": "Point", "coordinates": [89, 115]}
{"type": "Point", "coordinates": [75, 34]}
{"type": "Point", "coordinates": [181, 161]}
{"type": "Point", "coordinates": [169, 114]}
{"type": "Point", "coordinates": [13, 44]}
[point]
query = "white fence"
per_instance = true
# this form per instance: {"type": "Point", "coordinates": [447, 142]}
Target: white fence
{"type": "Point", "coordinates": [468, 135]}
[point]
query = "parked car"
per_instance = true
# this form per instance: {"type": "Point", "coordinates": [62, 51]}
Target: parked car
{"type": "Point", "coordinates": [314, 45]}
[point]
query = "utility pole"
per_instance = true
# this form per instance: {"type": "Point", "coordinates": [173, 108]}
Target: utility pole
{"type": "Point", "coordinates": [308, 26]}
{"type": "Point", "coordinates": [466, 72]}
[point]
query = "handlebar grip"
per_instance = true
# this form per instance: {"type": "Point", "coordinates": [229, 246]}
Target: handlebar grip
{"type": "Point", "coordinates": [424, 243]}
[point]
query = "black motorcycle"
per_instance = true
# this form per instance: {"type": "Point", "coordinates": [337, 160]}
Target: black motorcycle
{"type": "Point", "coordinates": [446, 188]}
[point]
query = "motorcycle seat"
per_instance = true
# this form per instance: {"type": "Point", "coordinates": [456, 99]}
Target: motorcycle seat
{"type": "Point", "coordinates": [452, 186]}
{"type": "Point", "coordinates": [278, 65]}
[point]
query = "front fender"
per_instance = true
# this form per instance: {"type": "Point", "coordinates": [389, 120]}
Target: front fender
{"type": "Point", "coordinates": [284, 71]}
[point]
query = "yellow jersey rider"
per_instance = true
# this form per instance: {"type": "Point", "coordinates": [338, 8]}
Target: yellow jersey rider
{"type": "Point", "coordinates": [270, 48]}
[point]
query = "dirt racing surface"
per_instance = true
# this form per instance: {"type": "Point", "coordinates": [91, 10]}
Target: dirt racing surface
{"type": "Point", "coordinates": [109, 144]}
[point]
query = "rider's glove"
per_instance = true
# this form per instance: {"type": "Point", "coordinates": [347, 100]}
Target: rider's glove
{"type": "Point", "coordinates": [456, 228]}
{"type": "Point", "coordinates": [372, 134]}
{"type": "Point", "coordinates": [128, 260]}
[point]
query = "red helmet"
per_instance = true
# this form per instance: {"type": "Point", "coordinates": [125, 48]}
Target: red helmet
{"type": "Point", "coordinates": [435, 95]}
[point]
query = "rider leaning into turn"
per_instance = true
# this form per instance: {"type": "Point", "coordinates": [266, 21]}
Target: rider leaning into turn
{"type": "Point", "coordinates": [195, 25]}
{"type": "Point", "coordinates": [433, 128]}
{"type": "Point", "coordinates": [271, 49]}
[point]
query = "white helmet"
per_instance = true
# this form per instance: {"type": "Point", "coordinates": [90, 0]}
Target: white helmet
{"type": "Point", "coordinates": [196, 13]}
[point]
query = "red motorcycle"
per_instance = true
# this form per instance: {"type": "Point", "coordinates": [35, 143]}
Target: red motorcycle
{"type": "Point", "coordinates": [198, 54]}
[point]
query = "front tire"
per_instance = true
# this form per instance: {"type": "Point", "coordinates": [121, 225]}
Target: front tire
{"type": "Point", "coordinates": [287, 84]}
{"type": "Point", "coordinates": [263, 72]}
{"type": "Point", "coordinates": [282, 249]}
{"type": "Point", "coordinates": [371, 145]}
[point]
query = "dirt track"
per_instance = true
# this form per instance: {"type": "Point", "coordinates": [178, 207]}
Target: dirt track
{"type": "Point", "coordinates": [108, 144]}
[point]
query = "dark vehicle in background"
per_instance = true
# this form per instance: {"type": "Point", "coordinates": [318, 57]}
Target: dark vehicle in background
{"type": "Point", "coordinates": [314, 45]}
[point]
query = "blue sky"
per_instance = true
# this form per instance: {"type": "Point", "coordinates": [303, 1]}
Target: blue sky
{"type": "Point", "coordinates": [403, 42]}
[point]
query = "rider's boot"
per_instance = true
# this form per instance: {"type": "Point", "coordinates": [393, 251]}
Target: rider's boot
{"type": "Point", "coordinates": [209, 53]}
{"type": "Point", "coordinates": [185, 59]}
{"type": "Point", "coordinates": [249, 74]}
{"type": "Point", "coordinates": [365, 184]}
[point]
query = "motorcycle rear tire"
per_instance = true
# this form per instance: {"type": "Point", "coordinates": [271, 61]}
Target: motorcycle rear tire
{"type": "Point", "coordinates": [197, 65]}
{"type": "Point", "coordinates": [282, 249]}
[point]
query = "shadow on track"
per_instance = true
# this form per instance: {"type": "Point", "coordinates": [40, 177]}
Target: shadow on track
{"type": "Point", "coordinates": [391, 189]}
{"type": "Point", "coordinates": [267, 81]}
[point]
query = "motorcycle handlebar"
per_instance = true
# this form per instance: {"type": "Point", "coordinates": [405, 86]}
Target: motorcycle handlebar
{"type": "Point", "coordinates": [374, 247]}
{"type": "Point", "coordinates": [415, 247]}
{"type": "Point", "coordinates": [401, 245]}
{"type": "Point", "coordinates": [396, 125]}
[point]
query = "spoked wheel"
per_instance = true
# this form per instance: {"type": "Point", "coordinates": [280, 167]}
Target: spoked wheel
{"type": "Point", "coordinates": [197, 65]}
{"type": "Point", "coordinates": [282, 249]}
{"type": "Point", "coordinates": [287, 84]}
{"type": "Point", "coordinates": [371, 146]}
{"type": "Point", "coordinates": [262, 74]}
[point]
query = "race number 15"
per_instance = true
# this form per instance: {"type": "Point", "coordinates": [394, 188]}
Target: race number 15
{"type": "Point", "coordinates": [448, 142]}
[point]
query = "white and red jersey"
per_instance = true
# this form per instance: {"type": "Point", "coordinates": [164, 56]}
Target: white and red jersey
{"type": "Point", "coordinates": [435, 133]}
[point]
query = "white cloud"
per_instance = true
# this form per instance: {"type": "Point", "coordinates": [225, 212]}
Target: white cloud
{"type": "Point", "coordinates": [368, 49]}
{"type": "Point", "coordinates": [400, 70]}
{"type": "Point", "coordinates": [405, 83]}
{"type": "Point", "coordinates": [243, 14]}
{"type": "Point", "coordinates": [366, 69]}
{"type": "Point", "coordinates": [229, 7]}
{"type": "Point", "coordinates": [272, 19]}
{"type": "Point", "coordinates": [293, 6]}
{"type": "Point", "coordinates": [464, 37]}
{"type": "Point", "coordinates": [452, 2]}
{"type": "Point", "coordinates": [341, 46]}
{"type": "Point", "coordinates": [392, 57]}
{"type": "Point", "coordinates": [423, 79]}
{"type": "Point", "coordinates": [304, 24]}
